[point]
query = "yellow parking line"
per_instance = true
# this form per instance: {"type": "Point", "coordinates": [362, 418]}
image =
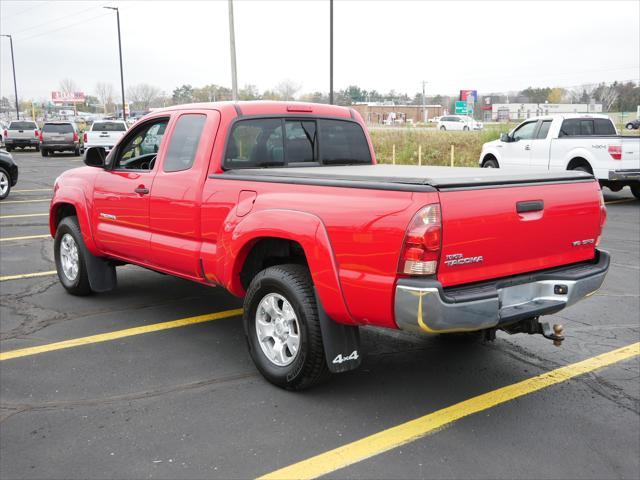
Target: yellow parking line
{"type": "Point", "coordinates": [32, 190]}
{"type": "Point", "coordinates": [6, 278]}
{"type": "Point", "coordinates": [28, 237]}
{"type": "Point", "coordinates": [407, 432]}
{"type": "Point", "coordinates": [5, 202]}
{"type": "Point", "coordinates": [105, 337]}
{"type": "Point", "coordinates": [25, 215]}
{"type": "Point", "coordinates": [625, 200]}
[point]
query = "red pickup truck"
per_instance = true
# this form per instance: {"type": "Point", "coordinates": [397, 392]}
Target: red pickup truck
{"type": "Point", "coordinates": [283, 204]}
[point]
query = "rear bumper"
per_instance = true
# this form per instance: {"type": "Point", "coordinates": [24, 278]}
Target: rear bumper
{"type": "Point", "coordinates": [60, 145]}
{"type": "Point", "coordinates": [425, 306]}
{"type": "Point", "coordinates": [12, 142]}
{"type": "Point", "coordinates": [630, 175]}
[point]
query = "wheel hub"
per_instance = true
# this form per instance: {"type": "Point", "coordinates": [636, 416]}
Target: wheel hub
{"type": "Point", "coordinates": [69, 257]}
{"type": "Point", "coordinates": [277, 329]}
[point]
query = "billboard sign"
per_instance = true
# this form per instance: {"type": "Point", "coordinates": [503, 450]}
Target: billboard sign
{"type": "Point", "coordinates": [73, 97]}
{"type": "Point", "coordinates": [465, 94]}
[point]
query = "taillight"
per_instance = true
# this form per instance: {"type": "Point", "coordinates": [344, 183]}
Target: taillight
{"type": "Point", "coordinates": [6, 133]}
{"type": "Point", "coordinates": [37, 133]}
{"type": "Point", "coordinates": [615, 151]}
{"type": "Point", "coordinates": [75, 136]}
{"type": "Point", "coordinates": [422, 242]}
{"type": "Point", "coordinates": [40, 136]}
{"type": "Point", "coordinates": [84, 137]}
{"type": "Point", "coordinates": [603, 217]}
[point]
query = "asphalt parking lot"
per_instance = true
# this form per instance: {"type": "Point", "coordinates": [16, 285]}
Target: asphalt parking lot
{"type": "Point", "coordinates": [187, 402]}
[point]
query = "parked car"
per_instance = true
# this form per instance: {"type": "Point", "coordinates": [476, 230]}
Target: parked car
{"type": "Point", "coordinates": [588, 143]}
{"type": "Point", "coordinates": [433, 119]}
{"type": "Point", "coordinates": [59, 137]}
{"type": "Point", "coordinates": [8, 174]}
{"type": "Point", "coordinates": [23, 134]}
{"type": "Point", "coordinates": [283, 204]}
{"type": "Point", "coordinates": [458, 122]}
{"type": "Point", "coordinates": [104, 133]}
{"type": "Point", "coordinates": [633, 124]}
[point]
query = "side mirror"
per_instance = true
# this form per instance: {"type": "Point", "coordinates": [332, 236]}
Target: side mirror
{"type": "Point", "coordinates": [95, 157]}
{"type": "Point", "coordinates": [504, 137]}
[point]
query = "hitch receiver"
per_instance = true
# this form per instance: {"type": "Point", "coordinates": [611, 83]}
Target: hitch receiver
{"type": "Point", "coordinates": [533, 326]}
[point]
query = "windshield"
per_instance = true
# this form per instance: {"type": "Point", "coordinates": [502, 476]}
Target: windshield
{"type": "Point", "coordinates": [109, 127]}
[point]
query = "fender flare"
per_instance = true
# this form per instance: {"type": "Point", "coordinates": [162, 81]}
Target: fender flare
{"type": "Point", "coordinates": [73, 196]}
{"type": "Point", "coordinates": [304, 228]}
{"type": "Point", "coordinates": [490, 152]}
{"type": "Point", "coordinates": [579, 153]}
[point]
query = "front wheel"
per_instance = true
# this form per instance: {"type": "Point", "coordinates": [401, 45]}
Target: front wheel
{"type": "Point", "coordinates": [635, 189]}
{"type": "Point", "coordinates": [70, 255]}
{"type": "Point", "coordinates": [283, 328]}
{"type": "Point", "coordinates": [491, 163]}
{"type": "Point", "coordinates": [629, 126]}
{"type": "Point", "coordinates": [465, 129]}
{"type": "Point", "coordinates": [5, 184]}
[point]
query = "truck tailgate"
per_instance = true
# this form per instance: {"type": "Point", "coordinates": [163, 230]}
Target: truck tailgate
{"type": "Point", "coordinates": [497, 232]}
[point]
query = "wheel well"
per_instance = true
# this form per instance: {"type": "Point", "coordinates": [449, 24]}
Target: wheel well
{"type": "Point", "coordinates": [63, 210]}
{"type": "Point", "coordinates": [579, 162]}
{"type": "Point", "coordinates": [489, 156]}
{"type": "Point", "coordinates": [268, 252]}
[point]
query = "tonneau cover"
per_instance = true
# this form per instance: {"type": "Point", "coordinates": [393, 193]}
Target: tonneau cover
{"type": "Point", "coordinates": [437, 177]}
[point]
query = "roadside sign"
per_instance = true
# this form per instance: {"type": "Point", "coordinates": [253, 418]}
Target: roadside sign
{"type": "Point", "coordinates": [461, 107]}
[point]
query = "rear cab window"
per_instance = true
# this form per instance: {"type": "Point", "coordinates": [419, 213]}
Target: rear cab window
{"type": "Point", "coordinates": [57, 128]}
{"type": "Point", "coordinates": [108, 127]}
{"type": "Point", "coordinates": [23, 126]}
{"type": "Point", "coordinates": [280, 142]}
{"type": "Point", "coordinates": [587, 127]}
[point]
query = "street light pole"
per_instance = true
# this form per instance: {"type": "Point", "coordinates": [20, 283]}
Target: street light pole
{"type": "Point", "coordinates": [424, 106]}
{"type": "Point", "coordinates": [124, 113]}
{"type": "Point", "coordinates": [331, 52]}
{"type": "Point", "coordinates": [232, 45]}
{"type": "Point", "coordinates": [15, 86]}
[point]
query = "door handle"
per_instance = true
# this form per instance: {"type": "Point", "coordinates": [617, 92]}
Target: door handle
{"type": "Point", "coordinates": [527, 147]}
{"type": "Point", "coordinates": [530, 206]}
{"type": "Point", "coordinates": [141, 190]}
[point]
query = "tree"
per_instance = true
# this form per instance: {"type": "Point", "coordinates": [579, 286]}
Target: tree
{"type": "Point", "coordinates": [315, 97]}
{"type": "Point", "coordinates": [68, 86]}
{"type": "Point", "coordinates": [183, 94]}
{"type": "Point", "coordinates": [608, 94]}
{"type": "Point", "coordinates": [287, 89]}
{"type": "Point", "coordinates": [555, 95]}
{"type": "Point", "coordinates": [104, 92]}
{"type": "Point", "coordinates": [535, 95]}
{"type": "Point", "coordinates": [142, 95]}
{"type": "Point", "coordinates": [249, 92]}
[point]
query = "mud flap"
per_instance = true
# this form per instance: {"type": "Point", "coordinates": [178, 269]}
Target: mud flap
{"type": "Point", "coordinates": [341, 342]}
{"type": "Point", "coordinates": [101, 273]}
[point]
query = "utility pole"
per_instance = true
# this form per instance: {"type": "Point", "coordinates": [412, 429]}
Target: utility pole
{"type": "Point", "coordinates": [331, 52]}
{"type": "Point", "coordinates": [15, 87]}
{"type": "Point", "coordinates": [424, 106]}
{"type": "Point", "coordinates": [124, 113]}
{"type": "Point", "coordinates": [232, 44]}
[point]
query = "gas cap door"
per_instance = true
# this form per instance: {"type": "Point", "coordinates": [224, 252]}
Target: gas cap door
{"type": "Point", "coordinates": [246, 199]}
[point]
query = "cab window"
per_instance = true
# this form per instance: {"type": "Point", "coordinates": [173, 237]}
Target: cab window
{"type": "Point", "coordinates": [255, 143]}
{"type": "Point", "coordinates": [544, 129]}
{"type": "Point", "coordinates": [183, 144]}
{"type": "Point", "coordinates": [140, 148]}
{"type": "Point", "coordinates": [525, 131]}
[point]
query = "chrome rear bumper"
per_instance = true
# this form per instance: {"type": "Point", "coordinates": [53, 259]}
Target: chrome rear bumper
{"type": "Point", "coordinates": [424, 306]}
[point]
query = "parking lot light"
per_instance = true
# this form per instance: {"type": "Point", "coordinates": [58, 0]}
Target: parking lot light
{"type": "Point", "coordinates": [13, 66]}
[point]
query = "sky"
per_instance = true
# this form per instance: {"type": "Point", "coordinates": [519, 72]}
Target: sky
{"type": "Point", "coordinates": [490, 46]}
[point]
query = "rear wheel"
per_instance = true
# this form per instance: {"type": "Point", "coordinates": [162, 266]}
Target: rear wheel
{"type": "Point", "coordinates": [635, 189]}
{"type": "Point", "coordinates": [37, 147]}
{"type": "Point", "coordinates": [466, 129]}
{"type": "Point", "coordinates": [76, 152]}
{"type": "Point", "coordinates": [582, 168]}
{"type": "Point", "coordinates": [5, 184]}
{"type": "Point", "coordinates": [70, 255]}
{"type": "Point", "coordinates": [443, 128]}
{"type": "Point", "coordinates": [44, 152]}
{"type": "Point", "coordinates": [283, 328]}
{"type": "Point", "coordinates": [9, 149]}
{"type": "Point", "coordinates": [629, 126]}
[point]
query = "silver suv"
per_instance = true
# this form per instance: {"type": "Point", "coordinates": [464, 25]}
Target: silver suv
{"type": "Point", "coordinates": [59, 137]}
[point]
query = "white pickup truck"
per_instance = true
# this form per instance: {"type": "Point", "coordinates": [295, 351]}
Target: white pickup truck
{"type": "Point", "coordinates": [570, 142]}
{"type": "Point", "coordinates": [104, 133]}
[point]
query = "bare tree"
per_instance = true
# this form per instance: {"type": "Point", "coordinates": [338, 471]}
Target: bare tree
{"type": "Point", "coordinates": [287, 89]}
{"type": "Point", "coordinates": [143, 95]}
{"type": "Point", "coordinates": [68, 86]}
{"type": "Point", "coordinates": [104, 92]}
{"type": "Point", "coordinates": [608, 96]}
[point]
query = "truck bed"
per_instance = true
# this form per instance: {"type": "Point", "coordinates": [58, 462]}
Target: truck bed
{"type": "Point", "coordinates": [402, 177]}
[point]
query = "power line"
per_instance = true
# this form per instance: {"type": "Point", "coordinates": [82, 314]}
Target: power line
{"type": "Point", "coordinates": [63, 27]}
{"type": "Point", "coordinates": [28, 9]}
{"type": "Point", "coordinates": [75, 14]}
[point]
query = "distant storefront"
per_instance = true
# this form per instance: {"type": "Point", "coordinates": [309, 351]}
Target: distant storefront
{"type": "Point", "coordinates": [382, 113]}
{"type": "Point", "coordinates": [504, 112]}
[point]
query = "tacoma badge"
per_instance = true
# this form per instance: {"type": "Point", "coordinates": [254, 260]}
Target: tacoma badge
{"type": "Point", "coordinates": [458, 259]}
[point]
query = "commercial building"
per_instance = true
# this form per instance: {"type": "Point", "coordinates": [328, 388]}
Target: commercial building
{"type": "Point", "coordinates": [504, 112]}
{"type": "Point", "coordinates": [388, 113]}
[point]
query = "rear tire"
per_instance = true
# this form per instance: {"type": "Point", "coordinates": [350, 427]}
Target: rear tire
{"type": "Point", "coordinates": [70, 256]}
{"type": "Point", "coordinates": [9, 149]}
{"type": "Point", "coordinates": [280, 310]}
{"type": "Point", "coordinates": [76, 152]}
{"type": "Point", "coordinates": [443, 128]}
{"type": "Point", "coordinates": [635, 189]}
{"type": "Point", "coordinates": [629, 126]}
{"type": "Point", "coordinates": [465, 129]}
{"type": "Point", "coordinates": [582, 168]}
{"type": "Point", "coordinates": [44, 152]}
{"type": "Point", "coordinates": [5, 184]}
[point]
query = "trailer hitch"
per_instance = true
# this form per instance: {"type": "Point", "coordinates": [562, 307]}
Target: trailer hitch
{"type": "Point", "coordinates": [533, 326]}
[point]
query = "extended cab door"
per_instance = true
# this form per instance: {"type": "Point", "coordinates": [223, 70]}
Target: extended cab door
{"type": "Point", "coordinates": [541, 146]}
{"type": "Point", "coordinates": [176, 195]}
{"type": "Point", "coordinates": [517, 152]}
{"type": "Point", "coordinates": [121, 193]}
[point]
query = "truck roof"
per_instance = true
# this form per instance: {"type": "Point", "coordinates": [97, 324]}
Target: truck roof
{"type": "Point", "coordinates": [268, 107]}
{"type": "Point", "coordinates": [404, 177]}
{"type": "Point", "coordinates": [569, 116]}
